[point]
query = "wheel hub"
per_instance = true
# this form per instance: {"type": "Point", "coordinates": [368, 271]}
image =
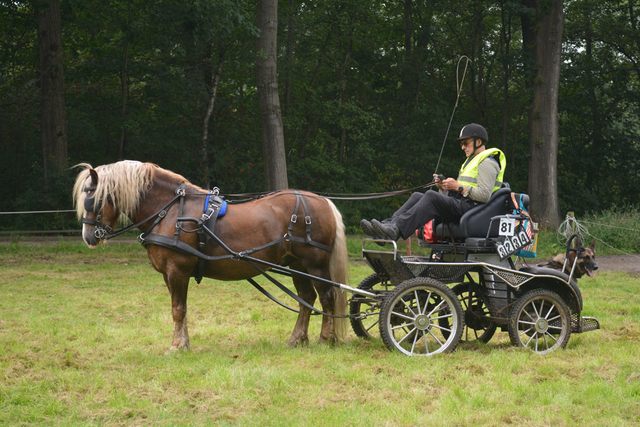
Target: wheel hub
{"type": "Point", "coordinates": [423, 322]}
{"type": "Point", "coordinates": [542, 325]}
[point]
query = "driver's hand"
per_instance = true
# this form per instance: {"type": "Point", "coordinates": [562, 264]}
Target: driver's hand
{"type": "Point", "coordinates": [450, 184]}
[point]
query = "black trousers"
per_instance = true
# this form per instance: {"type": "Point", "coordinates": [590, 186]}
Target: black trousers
{"type": "Point", "coordinates": [422, 208]}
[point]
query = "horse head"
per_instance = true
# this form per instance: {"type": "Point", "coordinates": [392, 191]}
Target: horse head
{"type": "Point", "coordinates": [95, 207]}
{"type": "Point", "coordinates": [107, 193]}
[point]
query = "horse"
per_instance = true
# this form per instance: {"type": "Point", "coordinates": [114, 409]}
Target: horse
{"type": "Point", "coordinates": [155, 199]}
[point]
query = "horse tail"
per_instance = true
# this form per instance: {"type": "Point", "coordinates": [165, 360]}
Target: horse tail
{"type": "Point", "coordinates": [339, 270]}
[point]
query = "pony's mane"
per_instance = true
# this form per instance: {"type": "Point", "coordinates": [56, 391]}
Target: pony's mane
{"type": "Point", "coordinates": [125, 181]}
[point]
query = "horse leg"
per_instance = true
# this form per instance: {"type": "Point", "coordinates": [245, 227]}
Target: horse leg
{"type": "Point", "coordinates": [300, 334]}
{"type": "Point", "coordinates": [328, 302]}
{"type": "Point", "coordinates": [178, 287]}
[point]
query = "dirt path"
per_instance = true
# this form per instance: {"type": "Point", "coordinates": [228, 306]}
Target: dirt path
{"type": "Point", "coordinates": [628, 263]}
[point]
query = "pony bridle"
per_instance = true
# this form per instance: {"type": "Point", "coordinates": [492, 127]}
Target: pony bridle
{"type": "Point", "coordinates": [105, 232]}
{"type": "Point", "coordinates": [102, 231]}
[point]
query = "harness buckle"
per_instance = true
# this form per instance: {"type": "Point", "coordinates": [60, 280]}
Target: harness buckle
{"type": "Point", "coordinates": [181, 192]}
{"type": "Point", "coordinates": [294, 218]}
{"type": "Point", "coordinates": [307, 220]}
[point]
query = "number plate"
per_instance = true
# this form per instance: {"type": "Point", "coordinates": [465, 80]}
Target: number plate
{"type": "Point", "coordinates": [512, 244]}
{"type": "Point", "coordinates": [507, 227]}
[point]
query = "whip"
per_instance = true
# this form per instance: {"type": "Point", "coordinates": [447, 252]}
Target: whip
{"type": "Point", "coordinates": [459, 84]}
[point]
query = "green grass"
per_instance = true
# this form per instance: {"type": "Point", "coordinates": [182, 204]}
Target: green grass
{"type": "Point", "coordinates": [616, 230]}
{"type": "Point", "coordinates": [84, 335]}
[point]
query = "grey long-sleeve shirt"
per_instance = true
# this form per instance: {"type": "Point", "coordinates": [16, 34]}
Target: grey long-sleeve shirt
{"type": "Point", "coordinates": [488, 171]}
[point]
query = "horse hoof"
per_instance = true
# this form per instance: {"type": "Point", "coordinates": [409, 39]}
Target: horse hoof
{"type": "Point", "coordinates": [303, 342]}
{"type": "Point", "coordinates": [332, 340]}
{"type": "Point", "coordinates": [175, 348]}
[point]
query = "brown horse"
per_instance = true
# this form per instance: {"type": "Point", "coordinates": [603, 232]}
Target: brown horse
{"type": "Point", "coordinates": [143, 192]}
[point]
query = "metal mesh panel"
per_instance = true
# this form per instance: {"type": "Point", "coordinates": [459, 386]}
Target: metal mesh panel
{"type": "Point", "coordinates": [512, 278]}
{"type": "Point", "coordinates": [590, 324]}
{"type": "Point", "coordinates": [575, 323]}
{"type": "Point", "coordinates": [441, 272]}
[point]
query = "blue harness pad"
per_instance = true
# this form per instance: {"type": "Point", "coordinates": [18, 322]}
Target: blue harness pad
{"type": "Point", "coordinates": [223, 208]}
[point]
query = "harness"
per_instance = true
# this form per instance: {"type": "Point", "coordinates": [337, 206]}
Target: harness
{"type": "Point", "coordinates": [214, 207]}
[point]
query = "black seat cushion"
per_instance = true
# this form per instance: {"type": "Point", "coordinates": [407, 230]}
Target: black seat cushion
{"type": "Point", "coordinates": [476, 221]}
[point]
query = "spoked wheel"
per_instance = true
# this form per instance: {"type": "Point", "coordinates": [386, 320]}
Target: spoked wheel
{"type": "Point", "coordinates": [366, 309]}
{"type": "Point", "coordinates": [477, 326]}
{"type": "Point", "coordinates": [540, 320]}
{"type": "Point", "coordinates": [421, 317]}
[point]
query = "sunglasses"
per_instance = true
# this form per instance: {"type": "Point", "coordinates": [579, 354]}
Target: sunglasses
{"type": "Point", "coordinates": [465, 143]}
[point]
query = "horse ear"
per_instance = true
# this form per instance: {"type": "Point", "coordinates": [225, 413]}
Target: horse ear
{"type": "Point", "coordinates": [94, 177]}
{"type": "Point", "coordinates": [593, 246]}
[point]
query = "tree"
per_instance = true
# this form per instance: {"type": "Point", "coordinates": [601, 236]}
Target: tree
{"type": "Point", "coordinates": [53, 119]}
{"type": "Point", "coordinates": [273, 152]}
{"type": "Point", "coordinates": [542, 39]}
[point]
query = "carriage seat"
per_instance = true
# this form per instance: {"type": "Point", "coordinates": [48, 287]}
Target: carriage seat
{"type": "Point", "coordinates": [476, 221]}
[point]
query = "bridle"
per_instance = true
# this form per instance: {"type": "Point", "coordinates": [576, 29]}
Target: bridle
{"type": "Point", "coordinates": [106, 232]}
{"type": "Point", "coordinates": [102, 230]}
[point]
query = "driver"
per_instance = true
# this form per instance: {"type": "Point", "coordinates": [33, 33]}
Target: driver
{"type": "Point", "coordinates": [480, 175]}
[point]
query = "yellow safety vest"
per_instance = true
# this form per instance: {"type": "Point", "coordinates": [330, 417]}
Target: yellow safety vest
{"type": "Point", "coordinates": [469, 172]}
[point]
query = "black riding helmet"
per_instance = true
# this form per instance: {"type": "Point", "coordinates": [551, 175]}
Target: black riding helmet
{"type": "Point", "coordinates": [473, 130]}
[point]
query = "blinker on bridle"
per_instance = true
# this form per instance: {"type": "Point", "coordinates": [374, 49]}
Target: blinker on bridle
{"type": "Point", "coordinates": [90, 205]}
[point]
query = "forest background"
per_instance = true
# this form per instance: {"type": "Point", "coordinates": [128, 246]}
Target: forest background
{"type": "Point", "coordinates": [367, 89]}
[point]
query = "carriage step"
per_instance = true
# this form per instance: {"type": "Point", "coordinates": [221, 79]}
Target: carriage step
{"type": "Point", "coordinates": [590, 324]}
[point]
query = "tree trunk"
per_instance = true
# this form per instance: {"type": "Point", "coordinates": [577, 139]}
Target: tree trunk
{"type": "Point", "coordinates": [53, 117]}
{"type": "Point", "coordinates": [207, 116]}
{"type": "Point", "coordinates": [544, 39]}
{"type": "Point", "coordinates": [273, 150]}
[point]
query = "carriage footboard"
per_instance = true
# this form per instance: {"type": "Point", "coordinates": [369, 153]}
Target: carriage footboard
{"type": "Point", "coordinates": [398, 268]}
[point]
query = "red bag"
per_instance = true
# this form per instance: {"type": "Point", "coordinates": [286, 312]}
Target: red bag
{"type": "Point", "coordinates": [428, 233]}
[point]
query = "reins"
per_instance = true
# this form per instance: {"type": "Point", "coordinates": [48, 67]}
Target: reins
{"type": "Point", "coordinates": [331, 196]}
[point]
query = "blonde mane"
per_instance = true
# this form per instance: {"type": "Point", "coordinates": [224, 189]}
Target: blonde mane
{"type": "Point", "coordinates": [125, 181]}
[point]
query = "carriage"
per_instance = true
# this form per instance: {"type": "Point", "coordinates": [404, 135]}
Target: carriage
{"type": "Point", "coordinates": [466, 287]}
{"type": "Point", "coordinates": [462, 290]}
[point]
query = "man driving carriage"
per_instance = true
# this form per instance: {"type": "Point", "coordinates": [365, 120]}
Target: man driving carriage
{"type": "Point", "coordinates": [480, 175]}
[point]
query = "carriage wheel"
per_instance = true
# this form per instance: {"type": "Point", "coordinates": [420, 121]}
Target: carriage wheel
{"type": "Point", "coordinates": [541, 321]}
{"type": "Point", "coordinates": [367, 326]}
{"type": "Point", "coordinates": [421, 317]}
{"type": "Point", "coordinates": [477, 327]}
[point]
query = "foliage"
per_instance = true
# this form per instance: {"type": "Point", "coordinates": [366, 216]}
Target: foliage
{"type": "Point", "coordinates": [367, 92]}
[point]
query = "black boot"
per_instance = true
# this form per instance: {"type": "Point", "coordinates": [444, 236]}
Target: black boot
{"type": "Point", "coordinates": [370, 231]}
{"type": "Point", "coordinates": [390, 229]}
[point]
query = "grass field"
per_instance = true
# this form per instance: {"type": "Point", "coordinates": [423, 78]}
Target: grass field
{"type": "Point", "coordinates": [84, 335]}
